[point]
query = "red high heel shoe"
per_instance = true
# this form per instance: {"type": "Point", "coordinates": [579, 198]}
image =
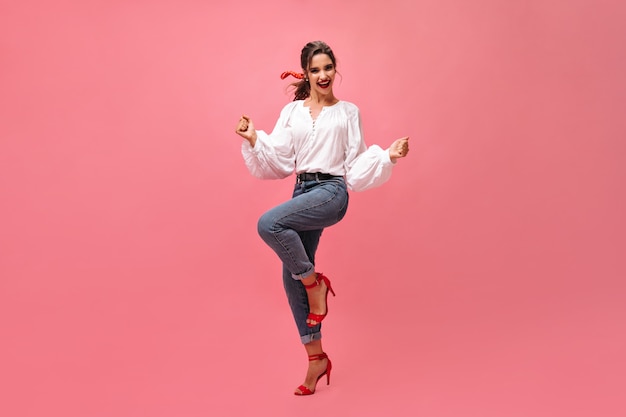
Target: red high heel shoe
{"type": "Point", "coordinates": [319, 317]}
{"type": "Point", "coordinates": [304, 390]}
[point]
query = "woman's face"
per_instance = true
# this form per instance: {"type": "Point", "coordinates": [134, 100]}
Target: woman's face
{"type": "Point", "coordinates": [321, 74]}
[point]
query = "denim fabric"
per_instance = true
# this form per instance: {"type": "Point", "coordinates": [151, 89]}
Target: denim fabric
{"type": "Point", "coordinates": [293, 230]}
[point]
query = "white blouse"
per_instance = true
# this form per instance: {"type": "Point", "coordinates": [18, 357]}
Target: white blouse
{"type": "Point", "coordinates": [331, 144]}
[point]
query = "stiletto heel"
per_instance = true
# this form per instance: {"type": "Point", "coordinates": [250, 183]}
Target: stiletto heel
{"type": "Point", "coordinates": [319, 317]}
{"type": "Point", "coordinates": [304, 390]}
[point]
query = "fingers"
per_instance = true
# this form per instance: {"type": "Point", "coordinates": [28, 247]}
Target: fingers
{"type": "Point", "coordinates": [403, 146]}
{"type": "Point", "coordinates": [242, 125]}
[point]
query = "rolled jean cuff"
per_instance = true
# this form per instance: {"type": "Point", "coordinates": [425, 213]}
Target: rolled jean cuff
{"type": "Point", "coordinates": [300, 277]}
{"type": "Point", "coordinates": [310, 337]}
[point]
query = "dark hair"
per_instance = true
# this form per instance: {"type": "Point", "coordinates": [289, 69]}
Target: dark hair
{"type": "Point", "coordinates": [302, 87]}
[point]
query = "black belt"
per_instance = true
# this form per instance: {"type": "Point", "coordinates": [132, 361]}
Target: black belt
{"type": "Point", "coordinates": [315, 176]}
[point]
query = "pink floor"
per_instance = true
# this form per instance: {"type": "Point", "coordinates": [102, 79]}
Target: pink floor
{"type": "Point", "coordinates": [186, 346]}
{"type": "Point", "coordinates": [485, 279]}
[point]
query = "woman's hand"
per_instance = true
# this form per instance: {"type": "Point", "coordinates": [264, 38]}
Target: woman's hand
{"type": "Point", "coordinates": [245, 129]}
{"type": "Point", "coordinates": [399, 149]}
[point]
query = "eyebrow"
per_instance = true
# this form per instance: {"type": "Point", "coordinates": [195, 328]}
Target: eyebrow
{"type": "Point", "coordinates": [325, 66]}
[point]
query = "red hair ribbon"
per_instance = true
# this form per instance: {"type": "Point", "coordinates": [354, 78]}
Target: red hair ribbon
{"type": "Point", "coordinates": [286, 74]}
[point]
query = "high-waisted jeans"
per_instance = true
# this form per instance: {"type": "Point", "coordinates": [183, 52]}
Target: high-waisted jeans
{"type": "Point", "coordinates": [293, 231]}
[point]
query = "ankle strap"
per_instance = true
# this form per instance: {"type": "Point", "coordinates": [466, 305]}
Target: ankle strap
{"type": "Point", "coordinates": [315, 283]}
{"type": "Point", "coordinates": [318, 357]}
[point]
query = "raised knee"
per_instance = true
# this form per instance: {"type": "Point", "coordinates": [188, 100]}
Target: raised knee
{"type": "Point", "coordinates": [265, 226]}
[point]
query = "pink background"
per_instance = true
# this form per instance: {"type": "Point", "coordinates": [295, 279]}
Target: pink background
{"type": "Point", "coordinates": [485, 279]}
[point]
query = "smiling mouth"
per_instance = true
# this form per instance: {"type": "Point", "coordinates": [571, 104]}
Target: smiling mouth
{"type": "Point", "coordinates": [324, 84]}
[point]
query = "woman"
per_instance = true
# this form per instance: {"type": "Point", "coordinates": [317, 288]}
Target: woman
{"type": "Point", "coordinates": [317, 137]}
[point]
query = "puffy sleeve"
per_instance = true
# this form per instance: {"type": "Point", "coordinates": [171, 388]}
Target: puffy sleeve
{"type": "Point", "coordinates": [365, 167]}
{"type": "Point", "coordinates": [272, 156]}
